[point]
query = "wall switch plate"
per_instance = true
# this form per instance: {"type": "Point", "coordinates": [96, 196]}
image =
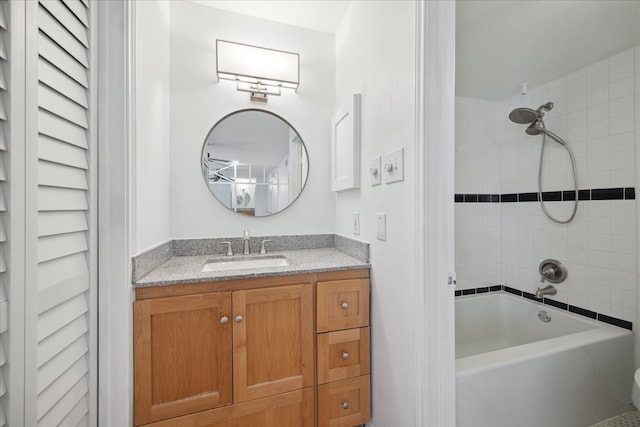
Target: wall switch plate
{"type": "Point", "coordinates": [375, 171]}
{"type": "Point", "coordinates": [356, 223]}
{"type": "Point", "coordinates": [381, 220]}
{"type": "Point", "coordinates": [393, 166]}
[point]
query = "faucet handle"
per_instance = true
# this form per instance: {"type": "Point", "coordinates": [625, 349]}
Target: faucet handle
{"type": "Point", "coordinates": [263, 250]}
{"type": "Point", "coordinates": [229, 251]}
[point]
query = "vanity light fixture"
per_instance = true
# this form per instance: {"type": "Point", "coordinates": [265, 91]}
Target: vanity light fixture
{"type": "Point", "coordinates": [257, 70]}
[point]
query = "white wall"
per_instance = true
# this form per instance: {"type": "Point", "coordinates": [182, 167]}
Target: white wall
{"type": "Point", "coordinates": [379, 64]}
{"type": "Point", "coordinates": [596, 112]}
{"type": "Point", "coordinates": [152, 223]}
{"type": "Point", "coordinates": [198, 101]}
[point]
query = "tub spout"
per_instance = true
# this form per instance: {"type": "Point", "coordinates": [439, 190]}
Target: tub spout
{"type": "Point", "coordinates": [547, 290]}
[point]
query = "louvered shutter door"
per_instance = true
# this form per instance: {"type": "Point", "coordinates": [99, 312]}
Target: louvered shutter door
{"type": "Point", "coordinates": [61, 299]}
{"type": "Point", "coordinates": [4, 246]}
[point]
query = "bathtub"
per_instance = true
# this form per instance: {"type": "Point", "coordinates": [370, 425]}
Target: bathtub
{"type": "Point", "coordinates": [513, 369]}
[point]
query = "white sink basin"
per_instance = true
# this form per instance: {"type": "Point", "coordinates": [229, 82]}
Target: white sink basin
{"type": "Point", "coordinates": [244, 264]}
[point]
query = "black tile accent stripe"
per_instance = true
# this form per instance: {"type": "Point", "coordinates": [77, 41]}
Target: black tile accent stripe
{"type": "Point", "coordinates": [557, 304]}
{"type": "Point", "coordinates": [616, 322]}
{"type": "Point", "coordinates": [629, 193]}
{"type": "Point", "coordinates": [617, 193]}
{"type": "Point", "coordinates": [513, 291]}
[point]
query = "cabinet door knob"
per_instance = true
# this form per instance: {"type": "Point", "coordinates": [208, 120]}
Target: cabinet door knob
{"type": "Point", "coordinates": [345, 404]}
{"type": "Point", "coordinates": [345, 355]}
{"type": "Point", "coordinates": [345, 305]}
{"type": "Point", "coordinates": [239, 318]}
{"type": "Point", "coordinates": [224, 320]}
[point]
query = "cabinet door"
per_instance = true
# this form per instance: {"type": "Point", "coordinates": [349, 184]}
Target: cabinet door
{"type": "Point", "coordinates": [273, 341]}
{"type": "Point", "coordinates": [182, 355]}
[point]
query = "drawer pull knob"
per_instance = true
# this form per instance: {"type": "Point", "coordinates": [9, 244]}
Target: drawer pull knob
{"type": "Point", "coordinates": [345, 305]}
{"type": "Point", "coordinates": [239, 318]}
{"type": "Point", "coordinates": [345, 404]}
{"type": "Point", "coordinates": [345, 355]}
{"type": "Point", "coordinates": [224, 320]}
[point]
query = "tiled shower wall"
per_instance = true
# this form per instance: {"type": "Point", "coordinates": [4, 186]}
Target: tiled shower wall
{"type": "Point", "coordinates": [597, 111]}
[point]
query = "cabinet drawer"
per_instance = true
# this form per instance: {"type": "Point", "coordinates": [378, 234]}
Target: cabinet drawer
{"type": "Point", "coordinates": [343, 304]}
{"type": "Point", "coordinates": [344, 403]}
{"type": "Point", "coordinates": [343, 354]}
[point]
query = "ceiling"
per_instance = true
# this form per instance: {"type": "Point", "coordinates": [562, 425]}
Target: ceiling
{"type": "Point", "coordinates": [501, 44]}
{"type": "Point", "coordinates": [318, 15]}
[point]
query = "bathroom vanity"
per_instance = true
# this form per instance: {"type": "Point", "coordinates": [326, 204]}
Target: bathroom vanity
{"type": "Point", "coordinates": [280, 346]}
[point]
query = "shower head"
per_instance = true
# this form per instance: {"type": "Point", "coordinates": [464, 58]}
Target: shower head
{"type": "Point", "coordinates": [534, 128]}
{"type": "Point", "coordinates": [523, 116]}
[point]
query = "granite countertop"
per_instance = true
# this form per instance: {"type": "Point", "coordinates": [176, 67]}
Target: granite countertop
{"type": "Point", "coordinates": [187, 269]}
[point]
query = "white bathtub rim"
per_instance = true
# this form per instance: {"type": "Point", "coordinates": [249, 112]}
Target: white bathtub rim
{"type": "Point", "coordinates": [508, 356]}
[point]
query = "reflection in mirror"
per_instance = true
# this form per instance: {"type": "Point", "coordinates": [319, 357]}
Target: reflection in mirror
{"type": "Point", "coordinates": [254, 162]}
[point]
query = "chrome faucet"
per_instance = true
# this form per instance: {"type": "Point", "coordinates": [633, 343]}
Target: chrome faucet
{"type": "Point", "coordinates": [547, 290]}
{"type": "Point", "coordinates": [245, 243]}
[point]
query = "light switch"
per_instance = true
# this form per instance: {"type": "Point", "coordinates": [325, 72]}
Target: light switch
{"type": "Point", "coordinates": [375, 171]}
{"type": "Point", "coordinates": [393, 166]}
{"type": "Point", "coordinates": [356, 223]}
{"type": "Point", "coordinates": [382, 226]}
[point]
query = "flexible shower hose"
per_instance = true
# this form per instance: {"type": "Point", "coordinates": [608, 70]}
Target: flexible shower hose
{"type": "Point", "coordinates": [575, 181]}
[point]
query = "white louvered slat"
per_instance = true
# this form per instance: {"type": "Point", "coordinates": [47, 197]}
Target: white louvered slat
{"type": "Point", "coordinates": [61, 269]}
{"type": "Point", "coordinates": [58, 246]}
{"type": "Point", "coordinates": [67, 19]}
{"type": "Point", "coordinates": [57, 175]}
{"type": "Point", "coordinates": [63, 38]}
{"type": "Point", "coordinates": [3, 355]}
{"type": "Point", "coordinates": [3, 139]}
{"type": "Point", "coordinates": [61, 106]}
{"type": "Point", "coordinates": [64, 385]}
{"type": "Point", "coordinates": [61, 83]}
{"type": "Point", "coordinates": [3, 79]}
{"type": "Point", "coordinates": [61, 130]}
{"type": "Point", "coordinates": [48, 373]}
{"type": "Point", "coordinates": [79, 10]}
{"type": "Point", "coordinates": [3, 50]}
{"type": "Point", "coordinates": [78, 415]}
{"type": "Point", "coordinates": [59, 316]}
{"type": "Point", "coordinates": [50, 223]}
{"type": "Point", "coordinates": [4, 316]}
{"type": "Point", "coordinates": [56, 294]}
{"type": "Point", "coordinates": [60, 59]}
{"type": "Point", "coordinates": [60, 199]}
{"type": "Point", "coordinates": [3, 234]}
{"type": "Point", "coordinates": [63, 338]}
{"type": "Point", "coordinates": [3, 15]}
{"type": "Point", "coordinates": [60, 152]}
{"type": "Point", "coordinates": [72, 398]}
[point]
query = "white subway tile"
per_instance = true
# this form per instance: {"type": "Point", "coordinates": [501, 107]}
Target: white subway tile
{"type": "Point", "coordinates": [621, 88]}
{"type": "Point", "coordinates": [597, 95]}
{"type": "Point", "coordinates": [621, 70]}
{"type": "Point", "coordinates": [600, 306]}
{"type": "Point", "coordinates": [622, 142]}
{"type": "Point", "coordinates": [624, 298]}
{"type": "Point", "coordinates": [598, 78]}
{"type": "Point", "coordinates": [622, 124]}
{"type": "Point", "coordinates": [624, 313]}
{"type": "Point", "coordinates": [577, 102]}
{"type": "Point", "coordinates": [621, 107]}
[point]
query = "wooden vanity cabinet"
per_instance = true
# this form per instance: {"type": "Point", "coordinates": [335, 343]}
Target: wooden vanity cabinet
{"type": "Point", "coordinates": [242, 353]}
{"type": "Point", "coordinates": [344, 382]}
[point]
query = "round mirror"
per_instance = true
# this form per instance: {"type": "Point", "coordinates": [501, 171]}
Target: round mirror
{"type": "Point", "coordinates": [254, 162]}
